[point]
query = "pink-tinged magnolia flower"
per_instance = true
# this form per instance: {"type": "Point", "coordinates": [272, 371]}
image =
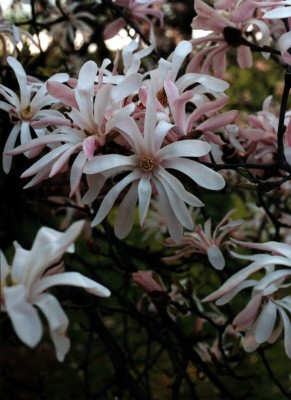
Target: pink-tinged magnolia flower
{"type": "Point", "coordinates": [279, 10]}
{"type": "Point", "coordinates": [173, 97]}
{"type": "Point", "coordinates": [169, 70]}
{"type": "Point", "coordinates": [138, 11]}
{"type": "Point", "coordinates": [24, 287]}
{"type": "Point", "coordinates": [270, 296]}
{"type": "Point", "coordinates": [94, 111]}
{"type": "Point", "coordinates": [228, 22]}
{"type": "Point", "coordinates": [203, 241]}
{"type": "Point", "coordinates": [30, 106]}
{"type": "Point", "coordinates": [205, 119]}
{"type": "Point", "coordinates": [149, 174]}
{"type": "Point", "coordinates": [261, 135]}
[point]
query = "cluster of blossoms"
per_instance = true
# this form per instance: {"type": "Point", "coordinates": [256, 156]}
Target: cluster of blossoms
{"type": "Point", "coordinates": [131, 138]}
{"type": "Point", "coordinates": [146, 119]}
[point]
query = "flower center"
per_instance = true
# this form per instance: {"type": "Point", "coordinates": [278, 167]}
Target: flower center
{"type": "Point", "coordinates": [146, 164]}
{"type": "Point", "coordinates": [94, 132]}
{"type": "Point", "coordinates": [26, 113]}
{"type": "Point", "coordinates": [162, 97]}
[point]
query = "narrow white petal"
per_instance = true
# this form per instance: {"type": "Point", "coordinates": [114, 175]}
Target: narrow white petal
{"type": "Point", "coordinates": [266, 322]}
{"type": "Point", "coordinates": [287, 331]}
{"type": "Point", "coordinates": [174, 226]}
{"type": "Point", "coordinates": [144, 196]}
{"type": "Point", "coordinates": [125, 215]}
{"type": "Point", "coordinates": [184, 148]}
{"type": "Point", "coordinates": [71, 279]}
{"type": "Point", "coordinates": [112, 195]}
{"type": "Point", "coordinates": [215, 257]}
{"type": "Point", "coordinates": [58, 323]}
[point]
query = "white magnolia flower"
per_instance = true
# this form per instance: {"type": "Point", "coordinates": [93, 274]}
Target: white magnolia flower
{"type": "Point", "coordinates": [268, 312]}
{"type": "Point", "coordinates": [94, 111]}
{"type": "Point", "coordinates": [30, 106]}
{"type": "Point", "coordinates": [148, 166]}
{"type": "Point", "coordinates": [24, 287]}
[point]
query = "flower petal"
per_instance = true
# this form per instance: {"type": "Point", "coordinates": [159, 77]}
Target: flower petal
{"type": "Point", "coordinates": [24, 317]}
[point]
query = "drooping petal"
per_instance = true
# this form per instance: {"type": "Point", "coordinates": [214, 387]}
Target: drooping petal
{"type": "Point", "coordinates": [125, 215]}
{"type": "Point", "coordinates": [287, 331]}
{"type": "Point", "coordinates": [266, 322]}
{"type": "Point", "coordinates": [112, 195]}
{"type": "Point", "coordinates": [144, 196]}
{"type": "Point", "coordinates": [58, 323]}
{"type": "Point", "coordinates": [174, 226]}
{"type": "Point", "coordinates": [76, 172]}
{"type": "Point", "coordinates": [24, 317]}
{"type": "Point", "coordinates": [247, 316]}
{"type": "Point", "coordinates": [9, 145]}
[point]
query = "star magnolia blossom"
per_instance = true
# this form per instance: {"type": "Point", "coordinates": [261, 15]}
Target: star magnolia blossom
{"type": "Point", "coordinates": [228, 21]}
{"type": "Point", "coordinates": [148, 165]}
{"type": "Point", "coordinates": [24, 287]}
{"type": "Point", "coordinates": [31, 106]}
{"type": "Point", "coordinates": [94, 111]}
{"type": "Point", "coordinates": [204, 242]}
{"type": "Point", "coordinates": [270, 297]}
{"type": "Point", "coordinates": [262, 142]}
{"type": "Point", "coordinates": [280, 10]}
